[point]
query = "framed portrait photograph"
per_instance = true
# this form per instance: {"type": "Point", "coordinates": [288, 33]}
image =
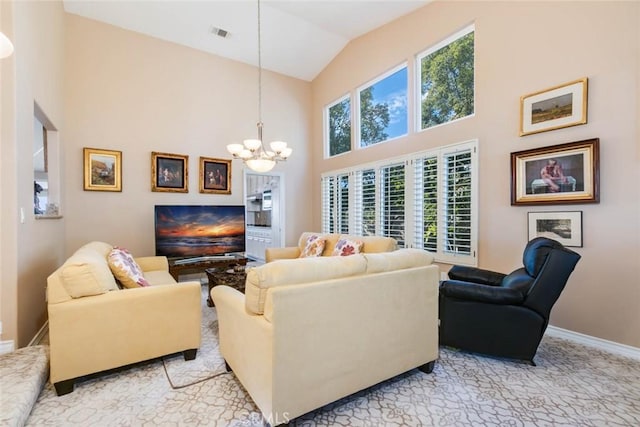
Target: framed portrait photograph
{"type": "Point", "coordinates": [558, 174]}
{"type": "Point", "coordinates": [215, 176]}
{"type": "Point", "coordinates": [102, 170]}
{"type": "Point", "coordinates": [555, 108]}
{"type": "Point", "coordinates": [169, 172]}
{"type": "Point", "coordinates": [565, 227]}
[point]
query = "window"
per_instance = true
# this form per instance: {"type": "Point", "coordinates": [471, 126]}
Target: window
{"type": "Point", "coordinates": [446, 73]}
{"type": "Point", "coordinates": [383, 108]}
{"type": "Point", "coordinates": [335, 192]}
{"type": "Point", "coordinates": [338, 127]}
{"type": "Point", "coordinates": [425, 200]}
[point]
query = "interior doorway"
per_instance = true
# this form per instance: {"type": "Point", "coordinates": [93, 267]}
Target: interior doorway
{"type": "Point", "coordinates": [264, 201]}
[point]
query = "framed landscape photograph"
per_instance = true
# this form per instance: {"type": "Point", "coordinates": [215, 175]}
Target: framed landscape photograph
{"type": "Point", "coordinates": [169, 172]}
{"type": "Point", "coordinates": [558, 174]}
{"type": "Point", "coordinates": [555, 108]}
{"type": "Point", "coordinates": [565, 227]}
{"type": "Point", "coordinates": [215, 176]}
{"type": "Point", "coordinates": [102, 170]}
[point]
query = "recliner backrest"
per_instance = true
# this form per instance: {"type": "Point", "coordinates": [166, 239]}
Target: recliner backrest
{"type": "Point", "coordinates": [551, 280]}
{"type": "Point", "coordinates": [536, 252]}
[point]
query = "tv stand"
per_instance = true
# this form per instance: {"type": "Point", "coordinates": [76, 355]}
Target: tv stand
{"type": "Point", "coordinates": [200, 264]}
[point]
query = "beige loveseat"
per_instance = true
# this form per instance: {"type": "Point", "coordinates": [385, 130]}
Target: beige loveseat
{"type": "Point", "coordinates": [95, 326]}
{"type": "Point", "coordinates": [372, 244]}
{"type": "Point", "coordinates": [310, 331]}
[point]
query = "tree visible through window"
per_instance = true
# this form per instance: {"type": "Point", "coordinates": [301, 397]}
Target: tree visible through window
{"type": "Point", "coordinates": [383, 109]}
{"type": "Point", "coordinates": [447, 81]}
{"type": "Point", "coordinates": [340, 127]}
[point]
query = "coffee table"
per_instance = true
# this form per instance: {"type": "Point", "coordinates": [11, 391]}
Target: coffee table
{"type": "Point", "coordinates": [198, 267]}
{"type": "Point", "coordinates": [225, 276]}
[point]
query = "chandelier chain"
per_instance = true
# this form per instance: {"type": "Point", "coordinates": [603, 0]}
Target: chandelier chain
{"type": "Point", "coordinates": [259, 69]}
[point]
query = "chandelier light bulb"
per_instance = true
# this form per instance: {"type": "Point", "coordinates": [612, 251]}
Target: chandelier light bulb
{"type": "Point", "coordinates": [286, 152]}
{"type": "Point", "coordinates": [6, 47]}
{"type": "Point", "coordinates": [235, 149]}
{"type": "Point", "coordinates": [252, 144]}
{"type": "Point", "coordinates": [278, 146]}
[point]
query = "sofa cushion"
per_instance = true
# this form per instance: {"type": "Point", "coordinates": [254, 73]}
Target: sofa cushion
{"type": "Point", "coordinates": [87, 273]}
{"type": "Point", "coordinates": [296, 271]}
{"type": "Point", "coordinates": [346, 247]}
{"type": "Point", "coordinates": [397, 260]}
{"type": "Point", "coordinates": [126, 269]}
{"type": "Point", "coordinates": [314, 246]}
{"type": "Point", "coordinates": [159, 277]}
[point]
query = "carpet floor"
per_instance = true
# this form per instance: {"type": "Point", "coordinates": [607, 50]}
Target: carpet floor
{"type": "Point", "coordinates": [573, 385]}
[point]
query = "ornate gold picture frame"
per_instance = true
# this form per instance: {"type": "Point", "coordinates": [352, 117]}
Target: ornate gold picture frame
{"type": "Point", "coordinates": [169, 172]}
{"type": "Point", "coordinates": [555, 108]}
{"type": "Point", "coordinates": [102, 169]}
{"type": "Point", "coordinates": [215, 176]}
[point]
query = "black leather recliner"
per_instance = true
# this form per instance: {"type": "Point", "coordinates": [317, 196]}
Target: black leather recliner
{"type": "Point", "coordinates": [505, 315]}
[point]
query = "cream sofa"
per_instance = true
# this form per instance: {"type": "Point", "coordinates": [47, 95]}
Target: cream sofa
{"type": "Point", "coordinates": [372, 244]}
{"type": "Point", "coordinates": [310, 331]}
{"type": "Point", "coordinates": [95, 326]}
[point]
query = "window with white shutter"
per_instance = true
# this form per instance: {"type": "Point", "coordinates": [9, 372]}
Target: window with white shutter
{"type": "Point", "coordinates": [392, 202]}
{"type": "Point", "coordinates": [426, 200]}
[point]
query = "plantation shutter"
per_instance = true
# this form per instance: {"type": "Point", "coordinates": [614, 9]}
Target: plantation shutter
{"type": "Point", "coordinates": [392, 202]}
{"type": "Point", "coordinates": [456, 203]}
{"type": "Point", "coordinates": [343, 203]}
{"type": "Point", "coordinates": [365, 202]}
{"type": "Point", "coordinates": [328, 204]}
{"type": "Point", "coordinates": [425, 173]}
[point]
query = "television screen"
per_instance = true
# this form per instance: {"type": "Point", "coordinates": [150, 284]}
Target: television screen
{"type": "Point", "coordinates": [194, 231]}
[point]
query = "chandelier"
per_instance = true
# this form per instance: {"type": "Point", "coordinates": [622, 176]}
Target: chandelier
{"type": "Point", "coordinates": [252, 151]}
{"type": "Point", "coordinates": [6, 47]}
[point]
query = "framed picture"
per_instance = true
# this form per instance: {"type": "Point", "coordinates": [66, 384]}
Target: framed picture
{"type": "Point", "coordinates": [215, 176]}
{"type": "Point", "coordinates": [558, 107]}
{"type": "Point", "coordinates": [169, 172]}
{"type": "Point", "coordinates": [102, 170]}
{"type": "Point", "coordinates": [558, 174]}
{"type": "Point", "coordinates": [565, 227]}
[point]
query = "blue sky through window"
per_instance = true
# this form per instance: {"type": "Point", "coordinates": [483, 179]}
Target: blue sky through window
{"type": "Point", "coordinates": [392, 90]}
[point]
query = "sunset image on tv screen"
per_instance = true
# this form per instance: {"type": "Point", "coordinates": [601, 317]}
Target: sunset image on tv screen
{"type": "Point", "coordinates": [190, 231]}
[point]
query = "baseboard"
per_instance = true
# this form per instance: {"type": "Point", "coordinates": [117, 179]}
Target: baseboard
{"type": "Point", "coordinates": [610, 346]}
{"type": "Point", "coordinates": [40, 335]}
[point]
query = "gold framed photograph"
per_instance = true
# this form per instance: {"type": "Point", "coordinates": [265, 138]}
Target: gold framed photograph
{"type": "Point", "coordinates": [169, 172]}
{"type": "Point", "coordinates": [215, 176]}
{"type": "Point", "coordinates": [555, 108]}
{"type": "Point", "coordinates": [558, 174]}
{"type": "Point", "coordinates": [102, 169]}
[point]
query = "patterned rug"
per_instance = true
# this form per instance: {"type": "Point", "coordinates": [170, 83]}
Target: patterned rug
{"type": "Point", "coordinates": [208, 363]}
{"type": "Point", "coordinates": [573, 385]}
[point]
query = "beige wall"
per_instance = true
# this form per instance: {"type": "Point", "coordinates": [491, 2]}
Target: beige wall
{"type": "Point", "coordinates": [137, 94]}
{"type": "Point", "coordinates": [30, 250]}
{"type": "Point", "coordinates": [524, 47]}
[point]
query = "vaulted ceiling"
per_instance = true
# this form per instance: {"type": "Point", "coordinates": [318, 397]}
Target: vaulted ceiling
{"type": "Point", "coordinates": [299, 37]}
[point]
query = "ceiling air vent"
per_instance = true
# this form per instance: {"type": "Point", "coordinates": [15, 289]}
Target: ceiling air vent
{"type": "Point", "coordinates": [220, 32]}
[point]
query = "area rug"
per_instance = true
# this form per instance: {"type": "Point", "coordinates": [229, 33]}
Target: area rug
{"type": "Point", "coordinates": [208, 362]}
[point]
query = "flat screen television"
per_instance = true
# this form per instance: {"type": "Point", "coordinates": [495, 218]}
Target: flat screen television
{"type": "Point", "coordinates": [184, 231]}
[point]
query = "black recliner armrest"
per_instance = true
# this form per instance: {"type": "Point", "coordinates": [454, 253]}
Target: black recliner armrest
{"type": "Point", "coordinates": [480, 293]}
{"type": "Point", "coordinates": [476, 275]}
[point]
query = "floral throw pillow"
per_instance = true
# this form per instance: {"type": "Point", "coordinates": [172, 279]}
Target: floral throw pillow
{"type": "Point", "coordinates": [314, 246]}
{"type": "Point", "coordinates": [345, 247]}
{"type": "Point", "coordinates": [125, 268]}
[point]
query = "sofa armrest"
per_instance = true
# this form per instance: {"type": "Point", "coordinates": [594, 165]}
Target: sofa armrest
{"type": "Point", "coordinates": [100, 332]}
{"type": "Point", "coordinates": [480, 293]}
{"type": "Point", "coordinates": [246, 343]}
{"type": "Point", "coordinates": [475, 275]}
{"type": "Point", "coordinates": [152, 263]}
{"type": "Point", "coordinates": [290, 252]}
